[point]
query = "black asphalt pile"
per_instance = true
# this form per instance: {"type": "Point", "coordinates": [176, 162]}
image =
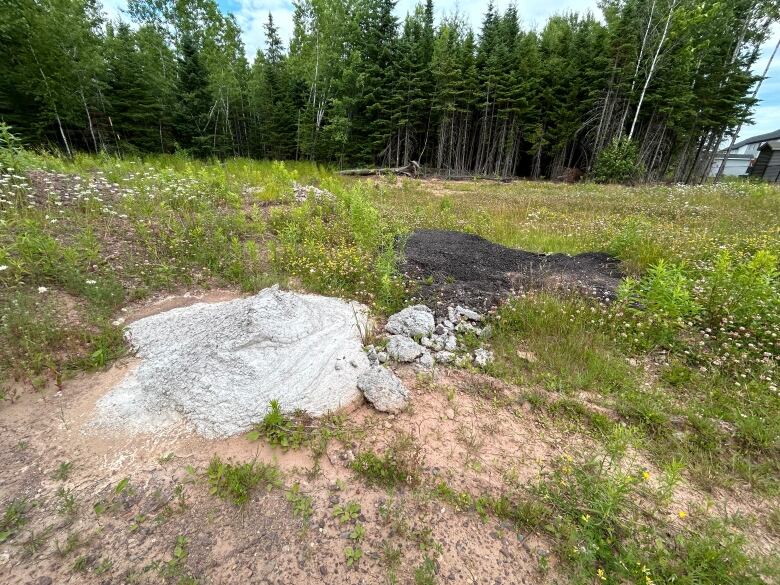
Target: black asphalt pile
{"type": "Point", "coordinates": [454, 268]}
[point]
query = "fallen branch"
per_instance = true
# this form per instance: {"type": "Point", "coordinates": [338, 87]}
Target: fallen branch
{"type": "Point", "coordinates": [410, 170]}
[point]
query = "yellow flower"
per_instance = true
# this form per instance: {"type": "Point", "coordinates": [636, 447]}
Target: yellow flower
{"type": "Point", "coordinates": [601, 574]}
{"type": "Point", "coordinates": [645, 475]}
{"type": "Point", "coordinates": [682, 514]}
{"type": "Point", "coordinates": [586, 518]}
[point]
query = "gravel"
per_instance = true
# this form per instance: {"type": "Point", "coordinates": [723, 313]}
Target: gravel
{"type": "Point", "coordinates": [454, 268]}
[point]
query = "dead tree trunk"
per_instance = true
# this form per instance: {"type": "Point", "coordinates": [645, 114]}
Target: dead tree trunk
{"type": "Point", "coordinates": [410, 170]}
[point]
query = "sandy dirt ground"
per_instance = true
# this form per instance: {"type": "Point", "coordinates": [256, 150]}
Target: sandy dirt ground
{"type": "Point", "coordinates": [473, 432]}
{"type": "Point", "coordinates": [263, 542]}
{"type": "Point", "coordinates": [134, 536]}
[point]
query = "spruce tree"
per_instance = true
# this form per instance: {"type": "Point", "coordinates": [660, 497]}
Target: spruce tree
{"type": "Point", "coordinates": [192, 115]}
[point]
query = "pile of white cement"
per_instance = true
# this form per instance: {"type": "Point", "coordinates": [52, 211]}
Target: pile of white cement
{"type": "Point", "coordinates": [215, 367]}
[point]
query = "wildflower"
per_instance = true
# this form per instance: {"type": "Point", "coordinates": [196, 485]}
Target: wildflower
{"type": "Point", "coordinates": [682, 514]}
{"type": "Point", "coordinates": [3, 267]}
{"type": "Point", "coordinates": [601, 574]}
{"type": "Point", "coordinates": [645, 475]}
{"type": "Point", "coordinates": [90, 282]}
{"type": "Point", "coordinates": [42, 289]}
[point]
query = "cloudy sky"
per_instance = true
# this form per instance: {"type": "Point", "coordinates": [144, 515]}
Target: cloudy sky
{"type": "Point", "coordinates": [251, 14]}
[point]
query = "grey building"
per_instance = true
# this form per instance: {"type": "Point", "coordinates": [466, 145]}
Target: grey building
{"type": "Point", "coordinates": [767, 165]}
{"type": "Point", "coordinates": [741, 156]}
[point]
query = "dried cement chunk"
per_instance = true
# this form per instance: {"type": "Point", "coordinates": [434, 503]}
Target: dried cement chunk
{"type": "Point", "coordinates": [215, 367]}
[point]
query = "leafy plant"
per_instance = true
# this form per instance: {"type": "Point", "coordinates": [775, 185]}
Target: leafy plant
{"type": "Point", "coordinates": [352, 554]}
{"type": "Point", "coordinates": [301, 503]}
{"type": "Point", "coordinates": [67, 505]}
{"type": "Point", "coordinates": [348, 512]}
{"type": "Point", "coordinates": [12, 155]}
{"type": "Point", "coordinates": [174, 569]}
{"type": "Point", "coordinates": [358, 532]}
{"type": "Point", "coordinates": [425, 573]}
{"type": "Point", "coordinates": [235, 482]}
{"type": "Point", "coordinates": [278, 429]}
{"type": "Point", "coordinates": [63, 471]}
{"type": "Point", "coordinates": [13, 518]}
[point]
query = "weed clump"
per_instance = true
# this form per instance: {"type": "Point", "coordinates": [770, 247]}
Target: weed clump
{"type": "Point", "coordinates": [399, 465]}
{"type": "Point", "coordinates": [279, 429]}
{"type": "Point", "coordinates": [340, 246]}
{"type": "Point", "coordinates": [598, 522]}
{"type": "Point", "coordinates": [235, 482]}
{"type": "Point", "coordinates": [13, 518]}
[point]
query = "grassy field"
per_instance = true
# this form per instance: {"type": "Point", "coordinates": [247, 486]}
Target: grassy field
{"type": "Point", "coordinates": [676, 382]}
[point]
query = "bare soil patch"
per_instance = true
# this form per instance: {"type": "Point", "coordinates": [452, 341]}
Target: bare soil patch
{"type": "Point", "coordinates": [454, 268]}
{"type": "Point", "coordinates": [263, 542]}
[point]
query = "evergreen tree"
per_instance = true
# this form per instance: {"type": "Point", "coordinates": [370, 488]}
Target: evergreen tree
{"type": "Point", "coordinates": [192, 115]}
{"type": "Point", "coordinates": [673, 76]}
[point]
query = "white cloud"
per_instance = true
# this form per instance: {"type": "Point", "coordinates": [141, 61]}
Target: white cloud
{"type": "Point", "coordinates": [533, 14]}
{"type": "Point", "coordinates": [252, 15]}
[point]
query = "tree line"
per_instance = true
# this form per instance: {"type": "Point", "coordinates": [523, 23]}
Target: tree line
{"type": "Point", "coordinates": [357, 87]}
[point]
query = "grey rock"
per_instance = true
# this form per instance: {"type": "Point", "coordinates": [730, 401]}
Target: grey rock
{"type": "Point", "coordinates": [440, 330]}
{"type": "Point", "coordinates": [486, 332]}
{"type": "Point", "coordinates": [482, 357]}
{"type": "Point", "coordinates": [452, 343]}
{"type": "Point", "coordinates": [468, 314]}
{"type": "Point", "coordinates": [383, 389]}
{"type": "Point", "coordinates": [426, 360]}
{"type": "Point", "coordinates": [465, 326]}
{"type": "Point", "coordinates": [444, 357]}
{"type": "Point", "coordinates": [448, 324]}
{"type": "Point", "coordinates": [426, 342]}
{"type": "Point", "coordinates": [404, 349]}
{"type": "Point", "coordinates": [411, 321]}
{"type": "Point", "coordinates": [452, 316]}
{"type": "Point", "coordinates": [216, 366]}
{"type": "Point", "coordinates": [437, 342]}
{"type": "Point", "coordinates": [382, 357]}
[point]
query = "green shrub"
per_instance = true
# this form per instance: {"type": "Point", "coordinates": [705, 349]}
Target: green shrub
{"type": "Point", "coordinates": [618, 163]}
{"type": "Point", "coordinates": [661, 301]}
{"type": "Point", "coordinates": [12, 155]}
